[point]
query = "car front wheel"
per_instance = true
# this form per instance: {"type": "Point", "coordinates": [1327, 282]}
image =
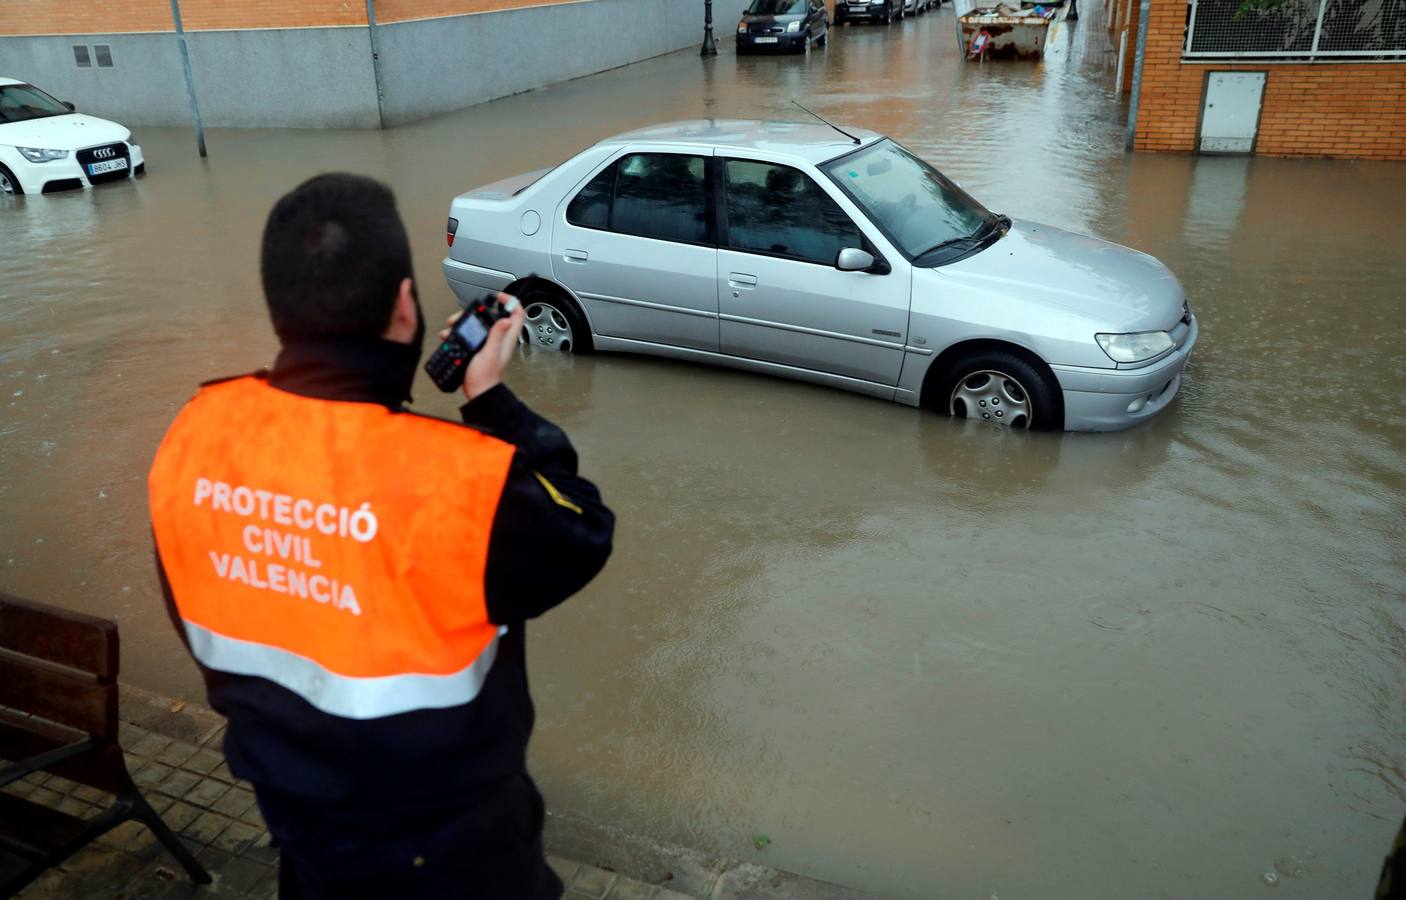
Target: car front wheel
{"type": "Point", "coordinates": [9, 184]}
{"type": "Point", "coordinates": [1001, 388]}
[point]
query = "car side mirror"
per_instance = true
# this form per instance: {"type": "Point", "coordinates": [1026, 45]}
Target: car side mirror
{"type": "Point", "coordinates": [852, 259]}
{"type": "Point", "coordinates": [70, 105]}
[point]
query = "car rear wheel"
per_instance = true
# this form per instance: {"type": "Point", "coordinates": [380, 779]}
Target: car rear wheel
{"type": "Point", "coordinates": [1001, 388]}
{"type": "Point", "coordinates": [552, 322]}
{"type": "Point", "coordinates": [9, 184]}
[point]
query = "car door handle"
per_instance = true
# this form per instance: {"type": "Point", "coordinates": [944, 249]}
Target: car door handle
{"type": "Point", "coordinates": [576, 256]}
{"type": "Point", "coordinates": [739, 280]}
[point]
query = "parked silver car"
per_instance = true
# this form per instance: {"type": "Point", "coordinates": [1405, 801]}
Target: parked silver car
{"type": "Point", "coordinates": [801, 251]}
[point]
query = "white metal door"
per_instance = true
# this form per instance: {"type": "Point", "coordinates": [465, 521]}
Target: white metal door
{"type": "Point", "coordinates": [1231, 114]}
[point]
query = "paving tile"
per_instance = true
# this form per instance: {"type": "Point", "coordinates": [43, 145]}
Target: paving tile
{"type": "Point", "coordinates": [254, 817]}
{"type": "Point", "coordinates": [592, 882]}
{"type": "Point", "coordinates": [223, 773]}
{"type": "Point", "coordinates": [206, 827]}
{"type": "Point", "coordinates": [179, 816]}
{"type": "Point", "coordinates": [151, 774]}
{"type": "Point", "coordinates": [45, 797]}
{"type": "Point", "coordinates": [176, 753]}
{"type": "Point", "coordinates": [631, 890]}
{"type": "Point", "coordinates": [112, 873]}
{"type": "Point", "coordinates": [565, 868]}
{"type": "Point", "coordinates": [21, 788]}
{"type": "Point", "coordinates": [52, 885]}
{"type": "Point", "coordinates": [236, 802]}
{"type": "Point", "coordinates": [37, 778]}
{"type": "Point", "coordinates": [204, 761]}
{"type": "Point", "coordinates": [62, 785]}
{"type": "Point", "coordinates": [263, 850]}
{"type": "Point", "coordinates": [237, 838]}
{"type": "Point", "coordinates": [72, 806]}
{"type": "Point", "coordinates": [178, 783]}
{"type": "Point", "coordinates": [150, 745]}
{"type": "Point", "coordinates": [207, 792]}
{"type": "Point", "coordinates": [92, 795]}
{"type": "Point", "coordinates": [159, 802]}
{"type": "Point", "coordinates": [666, 894]}
{"type": "Point", "coordinates": [120, 836]}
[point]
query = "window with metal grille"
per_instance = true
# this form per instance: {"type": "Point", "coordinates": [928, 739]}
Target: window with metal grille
{"type": "Point", "coordinates": [104, 54]}
{"type": "Point", "coordinates": [1296, 29]}
{"type": "Point", "coordinates": [80, 56]}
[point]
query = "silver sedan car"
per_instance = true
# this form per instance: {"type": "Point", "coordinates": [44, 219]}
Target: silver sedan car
{"type": "Point", "coordinates": [838, 258]}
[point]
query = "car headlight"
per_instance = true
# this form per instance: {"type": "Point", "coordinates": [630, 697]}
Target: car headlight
{"type": "Point", "coordinates": [36, 155]}
{"type": "Point", "coordinates": [1130, 348]}
{"type": "Point", "coordinates": [793, 27]}
{"type": "Point", "coordinates": [741, 27]}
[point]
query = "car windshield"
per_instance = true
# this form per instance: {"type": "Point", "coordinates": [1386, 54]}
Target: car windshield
{"type": "Point", "coordinates": [20, 102]}
{"type": "Point", "coordinates": [917, 206]}
{"type": "Point", "coordinates": [776, 7]}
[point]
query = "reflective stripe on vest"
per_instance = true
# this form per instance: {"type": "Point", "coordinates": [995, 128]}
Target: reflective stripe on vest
{"type": "Point", "coordinates": [336, 549]}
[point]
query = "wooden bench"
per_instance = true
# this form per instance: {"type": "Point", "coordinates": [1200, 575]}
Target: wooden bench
{"type": "Point", "coordinates": [58, 714]}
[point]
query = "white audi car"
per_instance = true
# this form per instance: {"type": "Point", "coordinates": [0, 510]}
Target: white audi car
{"type": "Point", "coordinates": [46, 146]}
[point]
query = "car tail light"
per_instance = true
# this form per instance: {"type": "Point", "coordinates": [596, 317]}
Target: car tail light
{"type": "Point", "coordinates": [453, 227]}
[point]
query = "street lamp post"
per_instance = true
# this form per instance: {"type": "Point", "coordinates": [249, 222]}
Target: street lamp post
{"type": "Point", "coordinates": [710, 48]}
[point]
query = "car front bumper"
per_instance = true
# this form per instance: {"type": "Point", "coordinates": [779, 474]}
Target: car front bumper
{"type": "Point", "coordinates": [765, 42]}
{"type": "Point", "coordinates": [67, 173]}
{"type": "Point", "coordinates": [859, 12]}
{"type": "Point", "coordinates": [1115, 399]}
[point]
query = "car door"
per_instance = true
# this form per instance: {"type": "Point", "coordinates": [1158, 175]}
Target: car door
{"type": "Point", "coordinates": [636, 243]}
{"type": "Point", "coordinates": [780, 296]}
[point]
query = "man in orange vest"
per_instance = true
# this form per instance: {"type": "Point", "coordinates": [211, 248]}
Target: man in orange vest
{"type": "Point", "coordinates": [353, 578]}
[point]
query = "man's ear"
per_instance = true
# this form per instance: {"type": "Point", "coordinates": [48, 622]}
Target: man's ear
{"type": "Point", "coordinates": [405, 317]}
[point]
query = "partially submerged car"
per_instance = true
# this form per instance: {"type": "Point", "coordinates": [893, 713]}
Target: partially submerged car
{"type": "Point", "coordinates": [786, 25]}
{"type": "Point", "coordinates": [831, 256]}
{"type": "Point", "coordinates": [45, 146]}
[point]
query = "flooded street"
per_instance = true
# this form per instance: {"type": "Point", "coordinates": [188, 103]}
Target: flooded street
{"type": "Point", "coordinates": [926, 659]}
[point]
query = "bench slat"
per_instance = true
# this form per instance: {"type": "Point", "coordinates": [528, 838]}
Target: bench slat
{"type": "Point", "coordinates": [59, 635]}
{"type": "Point", "coordinates": [74, 700]}
{"type": "Point", "coordinates": [22, 738]}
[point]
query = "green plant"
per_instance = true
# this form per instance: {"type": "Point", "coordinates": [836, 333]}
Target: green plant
{"type": "Point", "coordinates": [1261, 5]}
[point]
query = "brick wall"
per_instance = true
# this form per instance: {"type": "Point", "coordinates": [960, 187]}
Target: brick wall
{"type": "Point", "coordinates": [408, 10]}
{"type": "Point", "coordinates": [22, 17]}
{"type": "Point", "coordinates": [1355, 110]}
{"type": "Point", "coordinates": [82, 17]}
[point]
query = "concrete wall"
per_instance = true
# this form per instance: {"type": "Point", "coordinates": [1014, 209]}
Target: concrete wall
{"type": "Point", "coordinates": [284, 77]}
{"type": "Point", "coordinates": [144, 86]}
{"type": "Point", "coordinates": [436, 65]}
{"type": "Point", "coordinates": [322, 77]}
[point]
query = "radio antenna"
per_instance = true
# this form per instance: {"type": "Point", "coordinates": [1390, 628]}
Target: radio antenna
{"type": "Point", "coordinates": [831, 124]}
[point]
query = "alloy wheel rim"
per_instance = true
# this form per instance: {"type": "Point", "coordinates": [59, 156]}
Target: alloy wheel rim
{"type": "Point", "coordinates": [547, 327]}
{"type": "Point", "coordinates": [992, 396]}
{"type": "Point", "coordinates": [5, 186]}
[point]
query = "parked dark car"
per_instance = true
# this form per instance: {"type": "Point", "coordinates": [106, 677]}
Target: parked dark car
{"type": "Point", "coordinates": [791, 25]}
{"type": "Point", "coordinates": [874, 10]}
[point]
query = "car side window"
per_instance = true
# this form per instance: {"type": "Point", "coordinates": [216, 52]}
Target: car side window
{"type": "Point", "coordinates": [591, 207]}
{"type": "Point", "coordinates": [654, 195]}
{"type": "Point", "coordinates": [779, 210]}
{"type": "Point", "coordinates": [663, 196]}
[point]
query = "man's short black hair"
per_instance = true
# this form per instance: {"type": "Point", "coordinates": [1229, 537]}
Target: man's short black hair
{"type": "Point", "coordinates": [334, 255]}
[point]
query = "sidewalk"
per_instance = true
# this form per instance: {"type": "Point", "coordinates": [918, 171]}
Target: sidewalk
{"type": "Point", "coordinates": [173, 753]}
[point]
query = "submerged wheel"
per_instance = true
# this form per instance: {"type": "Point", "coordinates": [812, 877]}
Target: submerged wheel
{"type": "Point", "coordinates": [1001, 388]}
{"type": "Point", "coordinates": [9, 184]}
{"type": "Point", "coordinates": [553, 322]}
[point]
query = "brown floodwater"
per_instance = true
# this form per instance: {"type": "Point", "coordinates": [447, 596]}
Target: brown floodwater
{"type": "Point", "coordinates": [924, 658]}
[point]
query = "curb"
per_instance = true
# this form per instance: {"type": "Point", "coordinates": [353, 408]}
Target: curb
{"type": "Point", "coordinates": [573, 840]}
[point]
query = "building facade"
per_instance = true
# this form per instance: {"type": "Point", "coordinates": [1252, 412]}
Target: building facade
{"type": "Point", "coordinates": [327, 63]}
{"type": "Point", "coordinates": [1271, 77]}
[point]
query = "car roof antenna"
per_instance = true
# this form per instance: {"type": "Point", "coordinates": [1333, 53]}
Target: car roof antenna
{"type": "Point", "coordinates": [831, 124]}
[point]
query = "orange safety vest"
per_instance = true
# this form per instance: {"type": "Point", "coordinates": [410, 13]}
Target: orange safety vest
{"type": "Point", "coordinates": [335, 548]}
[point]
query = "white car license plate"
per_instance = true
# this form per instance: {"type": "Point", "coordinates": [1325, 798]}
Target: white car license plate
{"type": "Point", "coordinates": [766, 40]}
{"type": "Point", "coordinates": [111, 165]}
